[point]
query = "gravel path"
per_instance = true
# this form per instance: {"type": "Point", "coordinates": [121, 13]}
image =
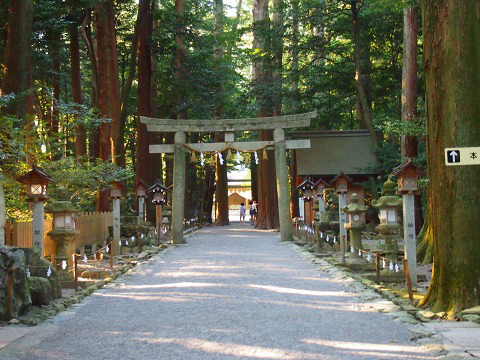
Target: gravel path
{"type": "Point", "coordinates": [232, 293]}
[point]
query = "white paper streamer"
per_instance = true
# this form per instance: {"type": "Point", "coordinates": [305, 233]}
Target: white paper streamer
{"type": "Point", "coordinates": [359, 252]}
{"type": "Point", "coordinates": [321, 235]}
{"type": "Point", "coordinates": [107, 249]}
{"type": "Point", "coordinates": [397, 268]}
{"type": "Point", "coordinates": [256, 157]}
{"type": "Point", "coordinates": [220, 158]}
{"type": "Point", "coordinates": [352, 249]}
{"type": "Point", "coordinates": [369, 257]}
{"type": "Point", "coordinates": [328, 238]}
{"type": "Point", "coordinates": [85, 258]}
{"type": "Point", "coordinates": [64, 264]}
{"type": "Point", "coordinates": [390, 266]}
{"type": "Point", "coordinates": [334, 240]}
{"type": "Point", "coordinates": [202, 159]}
{"type": "Point", "coordinates": [49, 272]}
{"type": "Point", "coordinates": [384, 264]}
{"type": "Point", "coordinates": [28, 271]}
{"type": "Point", "coordinates": [239, 159]}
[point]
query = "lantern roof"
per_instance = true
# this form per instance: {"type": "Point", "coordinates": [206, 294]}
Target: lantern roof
{"type": "Point", "coordinates": [321, 182]}
{"type": "Point", "coordinates": [139, 184]}
{"type": "Point", "coordinates": [354, 207]}
{"type": "Point", "coordinates": [119, 184]}
{"type": "Point", "coordinates": [35, 174]}
{"type": "Point", "coordinates": [342, 174]}
{"type": "Point", "coordinates": [404, 167]}
{"type": "Point", "coordinates": [388, 199]}
{"type": "Point", "coordinates": [158, 186]}
{"type": "Point", "coordinates": [305, 183]}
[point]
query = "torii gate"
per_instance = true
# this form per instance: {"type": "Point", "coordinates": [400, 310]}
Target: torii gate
{"type": "Point", "coordinates": [229, 126]}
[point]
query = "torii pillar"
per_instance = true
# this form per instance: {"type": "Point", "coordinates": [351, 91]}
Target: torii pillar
{"type": "Point", "coordinates": [283, 190]}
{"type": "Point", "coordinates": [178, 198]}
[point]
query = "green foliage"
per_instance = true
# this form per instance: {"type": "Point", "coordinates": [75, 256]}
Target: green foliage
{"type": "Point", "coordinates": [84, 180]}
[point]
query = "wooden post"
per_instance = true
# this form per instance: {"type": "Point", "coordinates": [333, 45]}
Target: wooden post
{"type": "Point", "coordinates": [159, 219]}
{"type": "Point", "coordinates": [139, 242]}
{"type": "Point", "coordinates": [377, 268]}
{"type": "Point", "coordinates": [10, 293]}
{"type": "Point", "coordinates": [112, 253]}
{"type": "Point", "coordinates": [75, 269]}
{"type": "Point", "coordinates": [342, 247]}
{"type": "Point", "coordinates": [409, 235]}
{"type": "Point", "coordinates": [408, 279]}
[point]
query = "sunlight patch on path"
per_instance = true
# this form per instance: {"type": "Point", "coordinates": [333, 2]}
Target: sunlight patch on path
{"type": "Point", "coordinates": [374, 350]}
{"type": "Point", "coordinates": [238, 350]}
{"type": "Point", "coordinates": [284, 290]}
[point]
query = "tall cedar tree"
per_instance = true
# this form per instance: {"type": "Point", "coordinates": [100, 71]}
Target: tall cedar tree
{"type": "Point", "coordinates": [221, 190]}
{"type": "Point", "coordinates": [111, 144]}
{"type": "Point", "coordinates": [17, 69]}
{"type": "Point", "coordinates": [452, 75]}
{"type": "Point", "coordinates": [366, 109]}
{"type": "Point", "coordinates": [262, 75]}
{"type": "Point", "coordinates": [144, 160]}
{"type": "Point", "coordinates": [80, 131]}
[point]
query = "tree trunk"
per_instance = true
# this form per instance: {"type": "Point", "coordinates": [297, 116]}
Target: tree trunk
{"type": "Point", "coordinates": [111, 144]}
{"type": "Point", "coordinates": [267, 191]}
{"type": "Point", "coordinates": [221, 191]}
{"type": "Point", "coordinates": [181, 110]}
{"type": "Point", "coordinates": [452, 75]}
{"type": "Point", "coordinates": [277, 52]}
{"type": "Point", "coordinates": [207, 203]}
{"type": "Point", "coordinates": [295, 69]}
{"type": "Point", "coordinates": [409, 78]}
{"type": "Point", "coordinates": [3, 215]}
{"type": "Point", "coordinates": [362, 95]}
{"type": "Point", "coordinates": [268, 199]}
{"type": "Point", "coordinates": [80, 131]}
{"type": "Point", "coordinates": [54, 135]}
{"type": "Point", "coordinates": [94, 135]}
{"type": "Point", "coordinates": [18, 54]}
{"type": "Point", "coordinates": [144, 160]}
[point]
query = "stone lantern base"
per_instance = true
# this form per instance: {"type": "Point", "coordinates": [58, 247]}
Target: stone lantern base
{"type": "Point", "coordinates": [64, 250]}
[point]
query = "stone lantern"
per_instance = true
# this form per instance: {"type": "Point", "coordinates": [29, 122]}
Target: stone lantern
{"type": "Point", "coordinates": [320, 187]}
{"type": "Point", "coordinates": [355, 224]}
{"type": "Point", "coordinates": [388, 204]}
{"type": "Point", "coordinates": [64, 232]}
{"type": "Point", "coordinates": [159, 192]}
{"type": "Point", "coordinates": [407, 174]}
{"type": "Point", "coordinates": [37, 182]}
{"type": "Point", "coordinates": [140, 190]}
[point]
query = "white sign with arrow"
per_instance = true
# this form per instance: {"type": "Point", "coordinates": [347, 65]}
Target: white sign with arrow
{"type": "Point", "coordinates": [462, 156]}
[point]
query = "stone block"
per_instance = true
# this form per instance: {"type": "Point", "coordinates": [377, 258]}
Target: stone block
{"type": "Point", "coordinates": [41, 290]}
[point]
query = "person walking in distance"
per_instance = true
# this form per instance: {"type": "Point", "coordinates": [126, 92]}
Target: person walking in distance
{"type": "Point", "coordinates": [252, 213]}
{"type": "Point", "coordinates": [243, 212]}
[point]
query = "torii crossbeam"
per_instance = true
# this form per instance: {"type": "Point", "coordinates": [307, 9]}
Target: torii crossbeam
{"type": "Point", "coordinates": [229, 126]}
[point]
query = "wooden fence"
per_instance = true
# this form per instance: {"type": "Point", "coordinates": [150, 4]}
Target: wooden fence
{"type": "Point", "coordinates": [92, 227]}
